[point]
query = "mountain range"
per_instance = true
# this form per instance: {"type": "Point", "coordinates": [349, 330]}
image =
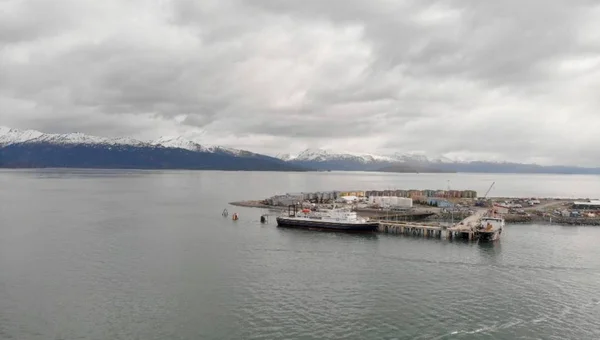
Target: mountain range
{"type": "Point", "coordinates": [34, 149]}
{"type": "Point", "coordinates": [322, 159]}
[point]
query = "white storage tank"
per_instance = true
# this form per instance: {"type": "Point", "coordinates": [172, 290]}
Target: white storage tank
{"type": "Point", "coordinates": [405, 202]}
{"type": "Point", "coordinates": [385, 200]}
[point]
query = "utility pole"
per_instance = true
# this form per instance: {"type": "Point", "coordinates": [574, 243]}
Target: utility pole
{"type": "Point", "coordinates": [452, 207]}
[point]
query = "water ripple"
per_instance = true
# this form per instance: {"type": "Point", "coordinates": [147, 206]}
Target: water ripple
{"type": "Point", "coordinates": [137, 257]}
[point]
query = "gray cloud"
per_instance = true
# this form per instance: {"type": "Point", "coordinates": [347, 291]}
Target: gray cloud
{"type": "Point", "coordinates": [468, 79]}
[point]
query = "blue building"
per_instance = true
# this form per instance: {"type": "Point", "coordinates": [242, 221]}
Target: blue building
{"type": "Point", "coordinates": [441, 203]}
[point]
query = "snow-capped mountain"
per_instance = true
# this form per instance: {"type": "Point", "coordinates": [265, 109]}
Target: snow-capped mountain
{"type": "Point", "coordinates": [323, 159]}
{"type": "Point", "coordinates": [10, 136]}
{"type": "Point", "coordinates": [34, 149]}
{"type": "Point", "coordinates": [284, 156]}
{"type": "Point", "coordinates": [443, 159]}
{"type": "Point", "coordinates": [344, 160]}
{"type": "Point", "coordinates": [323, 155]}
{"type": "Point", "coordinates": [410, 158]}
{"type": "Point", "coordinates": [178, 142]}
{"type": "Point", "coordinates": [338, 160]}
{"type": "Point", "coordinates": [30, 148]}
{"type": "Point", "coordinates": [187, 144]}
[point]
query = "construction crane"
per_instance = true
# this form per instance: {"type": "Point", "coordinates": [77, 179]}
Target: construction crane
{"type": "Point", "coordinates": [488, 191]}
{"type": "Point", "coordinates": [481, 200]}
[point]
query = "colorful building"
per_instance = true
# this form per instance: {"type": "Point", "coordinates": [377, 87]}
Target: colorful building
{"type": "Point", "coordinates": [439, 202]}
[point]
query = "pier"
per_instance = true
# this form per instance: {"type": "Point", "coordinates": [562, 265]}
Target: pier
{"type": "Point", "coordinates": [465, 229]}
{"type": "Point", "coordinates": [414, 229]}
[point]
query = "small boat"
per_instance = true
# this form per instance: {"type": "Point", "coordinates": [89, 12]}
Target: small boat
{"type": "Point", "coordinates": [326, 220]}
{"type": "Point", "coordinates": [491, 227]}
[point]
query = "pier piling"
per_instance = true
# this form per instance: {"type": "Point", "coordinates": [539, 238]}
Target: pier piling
{"type": "Point", "coordinates": [406, 228]}
{"type": "Point", "coordinates": [465, 229]}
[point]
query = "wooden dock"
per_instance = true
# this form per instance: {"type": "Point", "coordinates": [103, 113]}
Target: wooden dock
{"type": "Point", "coordinates": [465, 229]}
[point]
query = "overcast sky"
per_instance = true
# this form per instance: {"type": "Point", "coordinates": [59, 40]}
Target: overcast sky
{"type": "Point", "coordinates": [504, 80]}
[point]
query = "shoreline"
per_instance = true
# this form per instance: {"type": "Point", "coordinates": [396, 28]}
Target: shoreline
{"type": "Point", "coordinates": [256, 204]}
{"type": "Point", "coordinates": [535, 215]}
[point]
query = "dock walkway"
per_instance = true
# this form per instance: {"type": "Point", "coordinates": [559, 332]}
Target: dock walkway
{"type": "Point", "coordinates": [463, 229]}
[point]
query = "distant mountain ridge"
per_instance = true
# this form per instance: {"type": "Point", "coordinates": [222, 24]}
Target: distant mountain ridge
{"type": "Point", "coordinates": [34, 149]}
{"type": "Point", "coordinates": [323, 159]}
{"type": "Point", "coordinates": [321, 155]}
{"type": "Point", "coordinates": [411, 168]}
{"type": "Point", "coordinates": [30, 148]}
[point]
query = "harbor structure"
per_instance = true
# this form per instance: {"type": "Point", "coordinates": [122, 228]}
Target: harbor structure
{"type": "Point", "coordinates": [285, 200]}
{"type": "Point", "coordinates": [416, 194]}
{"type": "Point", "coordinates": [582, 211]}
{"type": "Point", "coordinates": [586, 205]}
{"type": "Point", "coordinates": [483, 224]}
{"type": "Point", "coordinates": [370, 196]}
{"type": "Point", "coordinates": [475, 226]}
{"type": "Point", "coordinates": [299, 197]}
{"type": "Point", "coordinates": [391, 201]}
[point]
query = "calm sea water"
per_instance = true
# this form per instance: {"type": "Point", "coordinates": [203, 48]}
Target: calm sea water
{"type": "Point", "coordinates": [147, 255]}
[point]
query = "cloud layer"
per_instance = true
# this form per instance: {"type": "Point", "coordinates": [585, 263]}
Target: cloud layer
{"type": "Point", "coordinates": [506, 80]}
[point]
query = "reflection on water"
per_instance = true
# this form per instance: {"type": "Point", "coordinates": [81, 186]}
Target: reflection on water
{"type": "Point", "coordinates": [318, 234]}
{"type": "Point", "coordinates": [490, 250]}
{"type": "Point", "coordinates": [148, 255]}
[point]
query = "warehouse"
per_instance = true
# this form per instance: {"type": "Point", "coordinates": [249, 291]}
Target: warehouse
{"type": "Point", "coordinates": [391, 201]}
{"type": "Point", "coordinates": [591, 204]}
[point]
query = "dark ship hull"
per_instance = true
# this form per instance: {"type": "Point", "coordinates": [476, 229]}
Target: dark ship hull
{"type": "Point", "coordinates": [320, 225]}
{"type": "Point", "coordinates": [490, 236]}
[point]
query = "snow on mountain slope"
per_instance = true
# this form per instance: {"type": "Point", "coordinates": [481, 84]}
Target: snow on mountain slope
{"type": "Point", "coordinates": [322, 155]}
{"type": "Point", "coordinates": [10, 136]}
{"type": "Point", "coordinates": [443, 159]}
{"type": "Point", "coordinates": [285, 156]}
{"type": "Point", "coordinates": [410, 158]}
{"type": "Point", "coordinates": [80, 138]}
{"type": "Point", "coordinates": [183, 143]}
{"type": "Point", "coordinates": [178, 142]}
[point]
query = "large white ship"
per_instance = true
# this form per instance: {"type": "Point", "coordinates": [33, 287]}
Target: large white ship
{"type": "Point", "coordinates": [326, 220]}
